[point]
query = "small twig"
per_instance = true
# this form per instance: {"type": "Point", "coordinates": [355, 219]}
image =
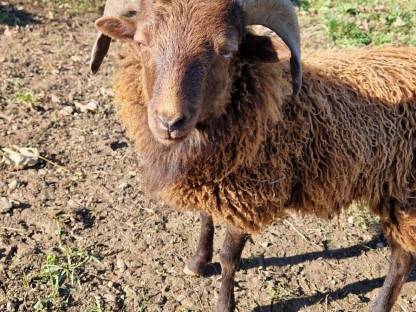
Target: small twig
{"type": "Point", "coordinates": [300, 233]}
{"type": "Point", "coordinates": [55, 164]}
{"type": "Point", "coordinates": [11, 229]}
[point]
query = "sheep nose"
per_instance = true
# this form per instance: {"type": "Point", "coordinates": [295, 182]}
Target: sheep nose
{"type": "Point", "coordinates": [172, 123]}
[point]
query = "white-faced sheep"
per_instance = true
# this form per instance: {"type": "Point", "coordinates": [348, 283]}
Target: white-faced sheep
{"type": "Point", "coordinates": [221, 130]}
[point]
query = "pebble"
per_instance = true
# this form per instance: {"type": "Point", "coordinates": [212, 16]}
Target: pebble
{"type": "Point", "coordinates": [11, 306]}
{"type": "Point", "coordinates": [73, 204]}
{"type": "Point", "coordinates": [123, 185]}
{"type": "Point", "coordinates": [131, 174]}
{"type": "Point", "coordinates": [121, 265]}
{"type": "Point", "coordinates": [55, 99]}
{"type": "Point", "coordinates": [5, 204]}
{"type": "Point", "coordinates": [14, 185]}
{"type": "Point", "coordinates": [66, 111]}
{"type": "Point", "coordinates": [42, 172]}
{"type": "Point", "coordinates": [90, 107]}
{"type": "Point", "coordinates": [110, 298]}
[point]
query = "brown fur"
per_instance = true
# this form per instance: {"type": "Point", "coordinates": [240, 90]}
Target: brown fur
{"type": "Point", "coordinates": [348, 137]}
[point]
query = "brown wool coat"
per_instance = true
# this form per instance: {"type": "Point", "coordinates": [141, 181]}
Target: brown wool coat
{"type": "Point", "coordinates": [350, 136]}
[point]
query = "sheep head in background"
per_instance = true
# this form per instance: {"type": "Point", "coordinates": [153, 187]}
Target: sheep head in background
{"type": "Point", "coordinates": [187, 47]}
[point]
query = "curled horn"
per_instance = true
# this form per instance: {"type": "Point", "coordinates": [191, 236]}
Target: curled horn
{"type": "Point", "coordinates": [280, 17]}
{"type": "Point", "coordinates": [102, 43]}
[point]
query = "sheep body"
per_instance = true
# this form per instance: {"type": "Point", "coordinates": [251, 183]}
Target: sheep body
{"type": "Point", "coordinates": [349, 137]}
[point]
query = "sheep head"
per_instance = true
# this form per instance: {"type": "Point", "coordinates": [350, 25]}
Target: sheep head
{"type": "Point", "coordinates": [187, 48]}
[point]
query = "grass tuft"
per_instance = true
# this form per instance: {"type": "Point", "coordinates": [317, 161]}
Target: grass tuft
{"type": "Point", "coordinates": [76, 6]}
{"type": "Point", "coordinates": [361, 217]}
{"type": "Point", "coordinates": [63, 269]}
{"type": "Point", "coordinates": [25, 97]}
{"type": "Point", "coordinates": [363, 22]}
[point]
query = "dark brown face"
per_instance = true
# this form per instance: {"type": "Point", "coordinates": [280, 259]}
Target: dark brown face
{"type": "Point", "coordinates": [186, 48]}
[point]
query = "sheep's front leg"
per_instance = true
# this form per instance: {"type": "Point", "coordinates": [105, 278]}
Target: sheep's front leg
{"type": "Point", "coordinates": [196, 265]}
{"type": "Point", "coordinates": [400, 267]}
{"type": "Point", "coordinates": [230, 259]}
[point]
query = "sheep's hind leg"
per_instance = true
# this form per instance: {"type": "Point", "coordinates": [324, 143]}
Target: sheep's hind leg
{"type": "Point", "coordinates": [400, 267]}
{"type": "Point", "coordinates": [230, 256]}
{"type": "Point", "coordinates": [196, 265]}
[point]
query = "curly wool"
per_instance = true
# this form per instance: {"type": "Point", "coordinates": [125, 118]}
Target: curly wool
{"type": "Point", "coordinates": [350, 136]}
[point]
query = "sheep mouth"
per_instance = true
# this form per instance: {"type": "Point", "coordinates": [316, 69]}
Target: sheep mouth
{"type": "Point", "coordinates": [171, 138]}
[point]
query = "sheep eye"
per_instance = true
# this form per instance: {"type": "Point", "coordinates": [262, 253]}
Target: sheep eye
{"type": "Point", "coordinates": [227, 54]}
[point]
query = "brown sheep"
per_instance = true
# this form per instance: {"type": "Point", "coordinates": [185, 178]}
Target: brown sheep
{"type": "Point", "coordinates": [219, 131]}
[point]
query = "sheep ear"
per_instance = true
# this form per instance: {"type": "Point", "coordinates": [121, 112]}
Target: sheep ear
{"type": "Point", "coordinates": [264, 49]}
{"type": "Point", "coordinates": [116, 27]}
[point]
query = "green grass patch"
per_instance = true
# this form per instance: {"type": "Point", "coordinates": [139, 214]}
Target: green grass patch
{"type": "Point", "coordinates": [279, 291]}
{"type": "Point", "coordinates": [360, 216]}
{"type": "Point", "coordinates": [25, 97]}
{"type": "Point", "coordinates": [364, 22]}
{"type": "Point", "coordinates": [63, 269]}
{"type": "Point", "coordinates": [76, 6]}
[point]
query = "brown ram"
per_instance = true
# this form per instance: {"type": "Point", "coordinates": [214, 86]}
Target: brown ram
{"type": "Point", "coordinates": [221, 130]}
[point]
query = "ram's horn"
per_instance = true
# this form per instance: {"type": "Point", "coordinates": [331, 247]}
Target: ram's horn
{"type": "Point", "coordinates": [102, 44]}
{"type": "Point", "coordinates": [280, 17]}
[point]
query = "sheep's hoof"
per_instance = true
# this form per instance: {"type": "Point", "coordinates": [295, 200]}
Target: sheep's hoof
{"type": "Point", "coordinates": [195, 268]}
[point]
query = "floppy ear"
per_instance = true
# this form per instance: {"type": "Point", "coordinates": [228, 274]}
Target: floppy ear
{"type": "Point", "coordinates": [116, 27]}
{"type": "Point", "coordinates": [264, 49]}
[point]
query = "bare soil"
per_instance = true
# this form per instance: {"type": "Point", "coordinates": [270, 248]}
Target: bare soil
{"type": "Point", "coordinates": [92, 192]}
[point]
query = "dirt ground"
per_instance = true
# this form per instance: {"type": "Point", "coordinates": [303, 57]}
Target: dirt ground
{"type": "Point", "coordinates": [88, 198]}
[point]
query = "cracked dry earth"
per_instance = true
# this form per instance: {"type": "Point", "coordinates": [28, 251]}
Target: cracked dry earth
{"type": "Point", "coordinates": [89, 197]}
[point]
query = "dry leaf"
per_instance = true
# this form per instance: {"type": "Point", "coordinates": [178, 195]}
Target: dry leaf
{"type": "Point", "coordinates": [20, 157]}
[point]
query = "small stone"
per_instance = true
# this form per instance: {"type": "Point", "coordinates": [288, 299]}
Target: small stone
{"type": "Point", "coordinates": [73, 204]}
{"type": "Point", "coordinates": [110, 284]}
{"type": "Point", "coordinates": [90, 107]}
{"type": "Point", "coordinates": [351, 220]}
{"type": "Point", "coordinates": [110, 298]}
{"type": "Point", "coordinates": [14, 185]}
{"type": "Point", "coordinates": [75, 58]}
{"type": "Point", "coordinates": [5, 205]}
{"type": "Point", "coordinates": [121, 265]}
{"type": "Point", "coordinates": [265, 244]}
{"type": "Point", "coordinates": [9, 32]}
{"type": "Point", "coordinates": [66, 111]}
{"type": "Point", "coordinates": [11, 306]}
{"type": "Point", "coordinates": [123, 185]}
{"type": "Point", "coordinates": [55, 99]}
{"type": "Point", "coordinates": [42, 172]}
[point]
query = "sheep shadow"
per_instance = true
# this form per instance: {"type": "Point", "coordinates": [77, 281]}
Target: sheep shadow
{"type": "Point", "coordinates": [337, 254]}
{"type": "Point", "coordinates": [11, 16]}
{"type": "Point", "coordinates": [358, 288]}
{"type": "Point", "coordinates": [295, 304]}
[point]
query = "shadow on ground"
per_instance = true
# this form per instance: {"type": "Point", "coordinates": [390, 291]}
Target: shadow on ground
{"type": "Point", "coordinates": [338, 254]}
{"type": "Point", "coordinates": [295, 304]}
{"type": "Point", "coordinates": [358, 288]}
{"type": "Point", "coordinates": [11, 16]}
